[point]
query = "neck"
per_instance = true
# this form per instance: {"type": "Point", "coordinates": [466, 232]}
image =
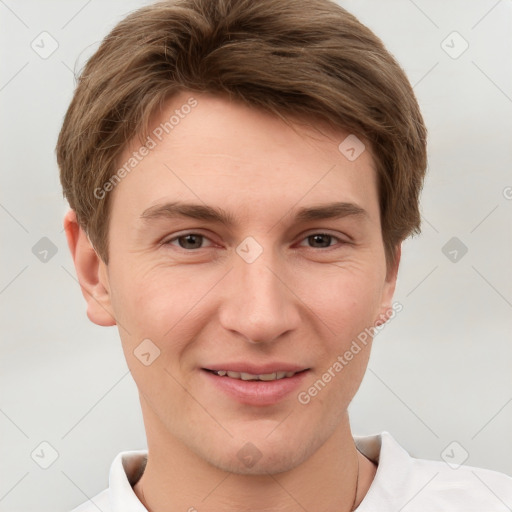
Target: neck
{"type": "Point", "coordinates": [175, 478]}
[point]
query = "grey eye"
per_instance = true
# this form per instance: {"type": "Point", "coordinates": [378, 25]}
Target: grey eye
{"type": "Point", "coordinates": [321, 238]}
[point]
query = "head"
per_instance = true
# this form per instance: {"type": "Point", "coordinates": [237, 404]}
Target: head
{"type": "Point", "coordinates": [260, 114]}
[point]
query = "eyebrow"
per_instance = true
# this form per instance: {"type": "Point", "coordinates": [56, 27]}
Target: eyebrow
{"type": "Point", "coordinates": [336, 210]}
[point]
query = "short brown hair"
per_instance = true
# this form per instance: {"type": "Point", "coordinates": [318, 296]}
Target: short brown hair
{"type": "Point", "coordinates": [308, 59]}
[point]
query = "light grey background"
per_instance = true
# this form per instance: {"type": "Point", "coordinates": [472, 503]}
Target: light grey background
{"type": "Point", "coordinates": [439, 372]}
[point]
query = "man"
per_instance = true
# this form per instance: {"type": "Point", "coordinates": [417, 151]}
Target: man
{"type": "Point", "coordinates": [241, 175]}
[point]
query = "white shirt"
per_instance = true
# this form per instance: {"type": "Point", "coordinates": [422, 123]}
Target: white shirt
{"type": "Point", "coordinates": [402, 483]}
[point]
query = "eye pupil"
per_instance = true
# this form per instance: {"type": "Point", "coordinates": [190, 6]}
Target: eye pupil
{"type": "Point", "coordinates": [321, 238]}
{"type": "Point", "coordinates": [190, 238]}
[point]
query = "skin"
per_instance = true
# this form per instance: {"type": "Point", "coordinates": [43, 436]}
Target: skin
{"type": "Point", "coordinates": [302, 301]}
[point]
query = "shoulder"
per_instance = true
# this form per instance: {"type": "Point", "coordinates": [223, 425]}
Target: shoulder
{"type": "Point", "coordinates": [463, 488]}
{"type": "Point", "coordinates": [410, 484]}
{"type": "Point", "coordinates": [100, 502]}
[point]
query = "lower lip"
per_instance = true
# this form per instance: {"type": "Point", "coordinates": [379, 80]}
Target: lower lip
{"type": "Point", "coordinates": [256, 392]}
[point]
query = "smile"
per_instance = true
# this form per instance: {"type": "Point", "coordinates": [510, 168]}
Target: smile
{"type": "Point", "coordinates": [249, 376]}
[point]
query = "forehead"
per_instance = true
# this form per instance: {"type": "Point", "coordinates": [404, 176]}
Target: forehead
{"type": "Point", "coordinates": [209, 149]}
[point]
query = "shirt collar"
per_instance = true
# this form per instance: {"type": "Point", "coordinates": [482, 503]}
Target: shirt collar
{"type": "Point", "coordinates": [393, 467]}
{"type": "Point", "coordinates": [124, 473]}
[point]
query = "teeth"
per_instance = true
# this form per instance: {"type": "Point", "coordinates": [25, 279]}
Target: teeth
{"type": "Point", "coordinates": [250, 376]}
{"type": "Point", "coordinates": [268, 376]}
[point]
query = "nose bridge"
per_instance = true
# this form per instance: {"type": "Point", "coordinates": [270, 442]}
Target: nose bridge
{"type": "Point", "coordinates": [260, 307]}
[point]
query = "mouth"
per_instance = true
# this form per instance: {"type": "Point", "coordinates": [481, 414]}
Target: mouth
{"type": "Point", "coordinates": [265, 387]}
{"type": "Point", "coordinates": [277, 375]}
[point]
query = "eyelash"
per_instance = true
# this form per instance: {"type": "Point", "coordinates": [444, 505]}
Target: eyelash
{"type": "Point", "coordinates": [169, 242]}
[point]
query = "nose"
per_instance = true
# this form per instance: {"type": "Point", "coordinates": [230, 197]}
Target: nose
{"type": "Point", "coordinates": [260, 305]}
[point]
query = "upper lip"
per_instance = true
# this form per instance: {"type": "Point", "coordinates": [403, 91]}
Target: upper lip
{"type": "Point", "coordinates": [253, 369]}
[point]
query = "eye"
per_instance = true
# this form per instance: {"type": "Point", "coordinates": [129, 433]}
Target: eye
{"type": "Point", "coordinates": [187, 241]}
{"type": "Point", "coordinates": [323, 239]}
{"type": "Point", "coordinates": [191, 241]}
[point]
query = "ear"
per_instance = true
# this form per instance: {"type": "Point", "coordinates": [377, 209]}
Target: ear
{"type": "Point", "coordinates": [91, 272]}
{"type": "Point", "coordinates": [389, 289]}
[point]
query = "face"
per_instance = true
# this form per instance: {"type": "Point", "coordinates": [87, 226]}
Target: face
{"type": "Point", "coordinates": [260, 277]}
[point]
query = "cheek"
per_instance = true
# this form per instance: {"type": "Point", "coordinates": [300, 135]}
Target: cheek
{"type": "Point", "coordinates": [146, 296]}
{"type": "Point", "coordinates": [346, 306]}
{"type": "Point", "coordinates": [345, 298]}
{"type": "Point", "coordinates": [161, 303]}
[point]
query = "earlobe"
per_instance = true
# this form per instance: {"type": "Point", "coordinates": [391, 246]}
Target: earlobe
{"type": "Point", "coordinates": [91, 273]}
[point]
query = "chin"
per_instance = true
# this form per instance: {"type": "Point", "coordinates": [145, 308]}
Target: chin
{"type": "Point", "coordinates": [261, 457]}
